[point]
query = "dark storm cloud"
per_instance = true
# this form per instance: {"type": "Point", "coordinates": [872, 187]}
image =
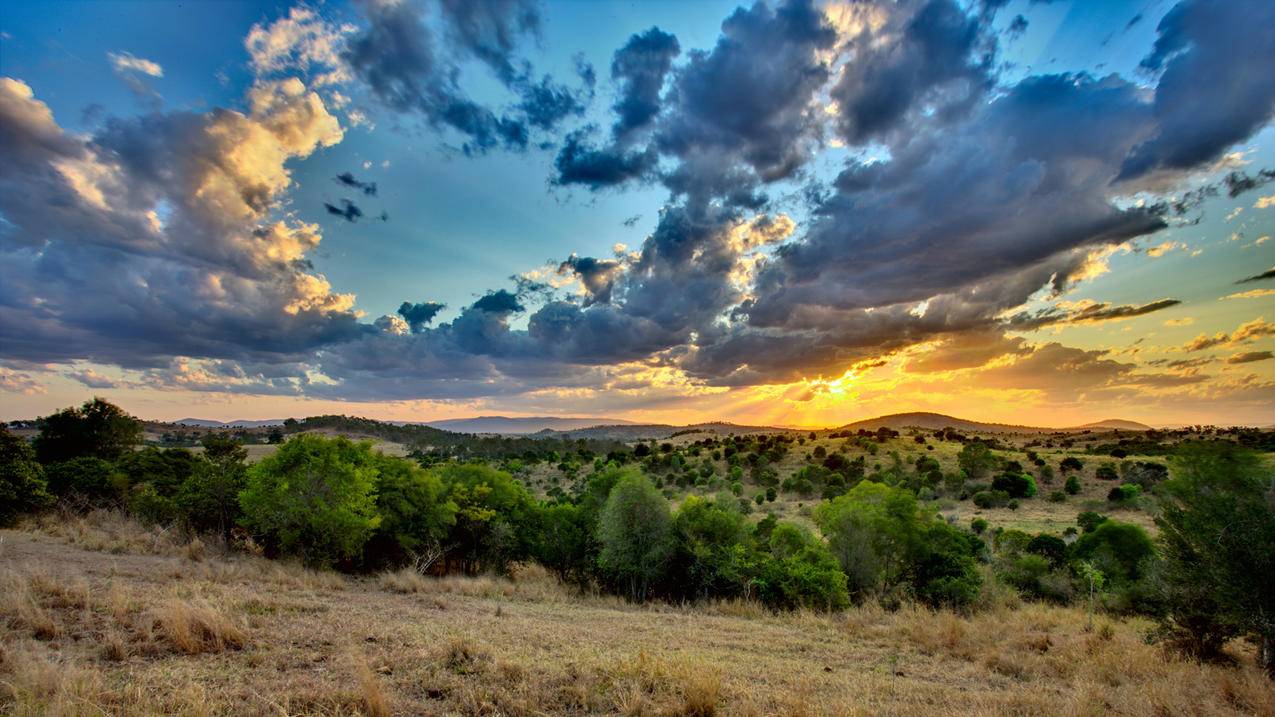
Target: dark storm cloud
{"type": "Point", "coordinates": [349, 211]}
{"type": "Point", "coordinates": [491, 29]}
{"type": "Point", "coordinates": [348, 179]}
{"type": "Point", "coordinates": [597, 168]}
{"type": "Point", "coordinates": [937, 64]}
{"type": "Point", "coordinates": [1268, 274]}
{"type": "Point", "coordinates": [499, 302]}
{"type": "Point", "coordinates": [1198, 118]}
{"type": "Point", "coordinates": [597, 275]}
{"type": "Point", "coordinates": [419, 316]}
{"type": "Point", "coordinates": [640, 68]}
{"type": "Point", "coordinates": [1239, 182]}
{"type": "Point", "coordinates": [409, 69]}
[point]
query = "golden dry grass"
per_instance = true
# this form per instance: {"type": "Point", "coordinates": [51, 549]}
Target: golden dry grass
{"type": "Point", "coordinates": [138, 634]}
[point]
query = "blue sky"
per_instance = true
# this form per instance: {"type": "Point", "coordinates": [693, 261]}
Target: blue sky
{"type": "Point", "coordinates": [753, 284]}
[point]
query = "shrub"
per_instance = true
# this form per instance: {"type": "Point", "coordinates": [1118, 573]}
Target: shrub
{"type": "Point", "coordinates": [991, 498]}
{"type": "Point", "coordinates": [1017, 485]}
{"type": "Point", "coordinates": [22, 485]}
{"type": "Point", "coordinates": [1072, 486]}
{"type": "Point", "coordinates": [209, 499]}
{"type": "Point", "coordinates": [413, 510]}
{"type": "Point", "coordinates": [978, 525]}
{"type": "Point", "coordinates": [86, 477]}
{"type": "Point", "coordinates": [1057, 497]}
{"type": "Point", "coordinates": [1106, 471]}
{"type": "Point", "coordinates": [796, 570]}
{"type": "Point", "coordinates": [1088, 520]}
{"type": "Point", "coordinates": [1118, 549]}
{"type": "Point", "coordinates": [1070, 463]}
{"type": "Point", "coordinates": [313, 498]}
{"type": "Point", "coordinates": [495, 516]}
{"type": "Point", "coordinates": [708, 556]}
{"type": "Point", "coordinates": [976, 459]}
{"type": "Point", "coordinates": [1124, 493]}
{"type": "Point", "coordinates": [883, 541]}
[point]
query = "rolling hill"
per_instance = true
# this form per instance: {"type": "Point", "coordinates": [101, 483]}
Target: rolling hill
{"type": "Point", "coordinates": [937, 421]}
{"type": "Point", "coordinates": [521, 425]}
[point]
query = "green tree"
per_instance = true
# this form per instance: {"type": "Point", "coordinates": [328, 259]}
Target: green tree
{"type": "Point", "coordinates": [1072, 486]}
{"type": "Point", "coordinates": [795, 569]}
{"type": "Point", "coordinates": [634, 531]}
{"type": "Point", "coordinates": [976, 459]}
{"type": "Point", "coordinates": [1217, 529]}
{"type": "Point", "coordinates": [314, 498]}
{"type": "Point", "coordinates": [1119, 550]}
{"type": "Point", "coordinates": [209, 498]}
{"type": "Point", "coordinates": [22, 485]}
{"type": "Point", "coordinates": [709, 556]}
{"type": "Point", "coordinates": [414, 511]}
{"type": "Point", "coordinates": [494, 518]}
{"type": "Point", "coordinates": [97, 429]}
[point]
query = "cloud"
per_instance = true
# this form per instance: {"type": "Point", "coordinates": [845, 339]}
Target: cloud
{"type": "Point", "coordinates": [126, 63]}
{"type": "Point", "coordinates": [1250, 357]}
{"type": "Point", "coordinates": [1197, 120]}
{"type": "Point", "coordinates": [1268, 274]}
{"type": "Point", "coordinates": [1252, 294]}
{"type": "Point", "coordinates": [418, 316]}
{"type": "Point", "coordinates": [92, 379]}
{"type": "Point", "coordinates": [1089, 313]}
{"type": "Point", "coordinates": [158, 236]}
{"type": "Point", "coordinates": [300, 41]}
{"type": "Point", "coordinates": [1255, 329]}
{"type": "Point", "coordinates": [411, 69]}
{"type": "Point", "coordinates": [967, 350]}
{"type": "Point", "coordinates": [348, 210]}
{"type": "Point", "coordinates": [131, 69]}
{"type": "Point", "coordinates": [347, 179]}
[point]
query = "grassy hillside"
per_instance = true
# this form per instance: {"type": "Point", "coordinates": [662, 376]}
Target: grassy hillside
{"type": "Point", "coordinates": [149, 627]}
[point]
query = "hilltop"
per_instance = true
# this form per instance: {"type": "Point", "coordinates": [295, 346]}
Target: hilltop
{"type": "Point", "coordinates": [938, 421]}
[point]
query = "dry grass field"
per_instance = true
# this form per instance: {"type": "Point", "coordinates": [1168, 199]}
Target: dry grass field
{"type": "Point", "coordinates": [98, 616]}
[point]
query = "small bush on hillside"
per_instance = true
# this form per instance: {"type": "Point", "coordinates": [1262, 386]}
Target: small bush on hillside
{"type": "Point", "coordinates": [1107, 471]}
{"type": "Point", "coordinates": [1072, 486]}
{"type": "Point", "coordinates": [991, 499]}
{"type": "Point", "coordinates": [1017, 485]}
{"type": "Point", "coordinates": [1124, 493]}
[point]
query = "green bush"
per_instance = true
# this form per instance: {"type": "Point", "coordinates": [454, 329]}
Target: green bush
{"type": "Point", "coordinates": [314, 498]}
{"type": "Point", "coordinates": [978, 525]}
{"type": "Point", "coordinates": [88, 478]}
{"type": "Point", "coordinates": [209, 498]}
{"type": "Point", "coordinates": [884, 542]}
{"type": "Point", "coordinates": [634, 531]}
{"type": "Point", "coordinates": [796, 570]}
{"type": "Point", "coordinates": [1119, 550]}
{"type": "Point", "coordinates": [1088, 520]}
{"type": "Point", "coordinates": [1124, 493]}
{"type": "Point", "coordinates": [414, 511]}
{"type": "Point", "coordinates": [1107, 471]}
{"type": "Point", "coordinates": [23, 488]}
{"type": "Point", "coordinates": [1017, 485]}
{"type": "Point", "coordinates": [1072, 486]}
{"type": "Point", "coordinates": [495, 517]}
{"type": "Point", "coordinates": [1057, 497]}
{"type": "Point", "coordinates": [991, 498]}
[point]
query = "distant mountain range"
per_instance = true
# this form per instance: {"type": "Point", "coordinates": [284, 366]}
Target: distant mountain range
{"type": "Point", "coordinates": [506, 425]}
{"type": "Point", "coordinates": [621, 430]}
{"type": "Point", "coordinates": [208, 423]}
{"type": "Point", "coordinates": [937, 421]}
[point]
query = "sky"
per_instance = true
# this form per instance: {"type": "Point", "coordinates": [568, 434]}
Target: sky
{"type": "Point", "coordinates": [791, 212]}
